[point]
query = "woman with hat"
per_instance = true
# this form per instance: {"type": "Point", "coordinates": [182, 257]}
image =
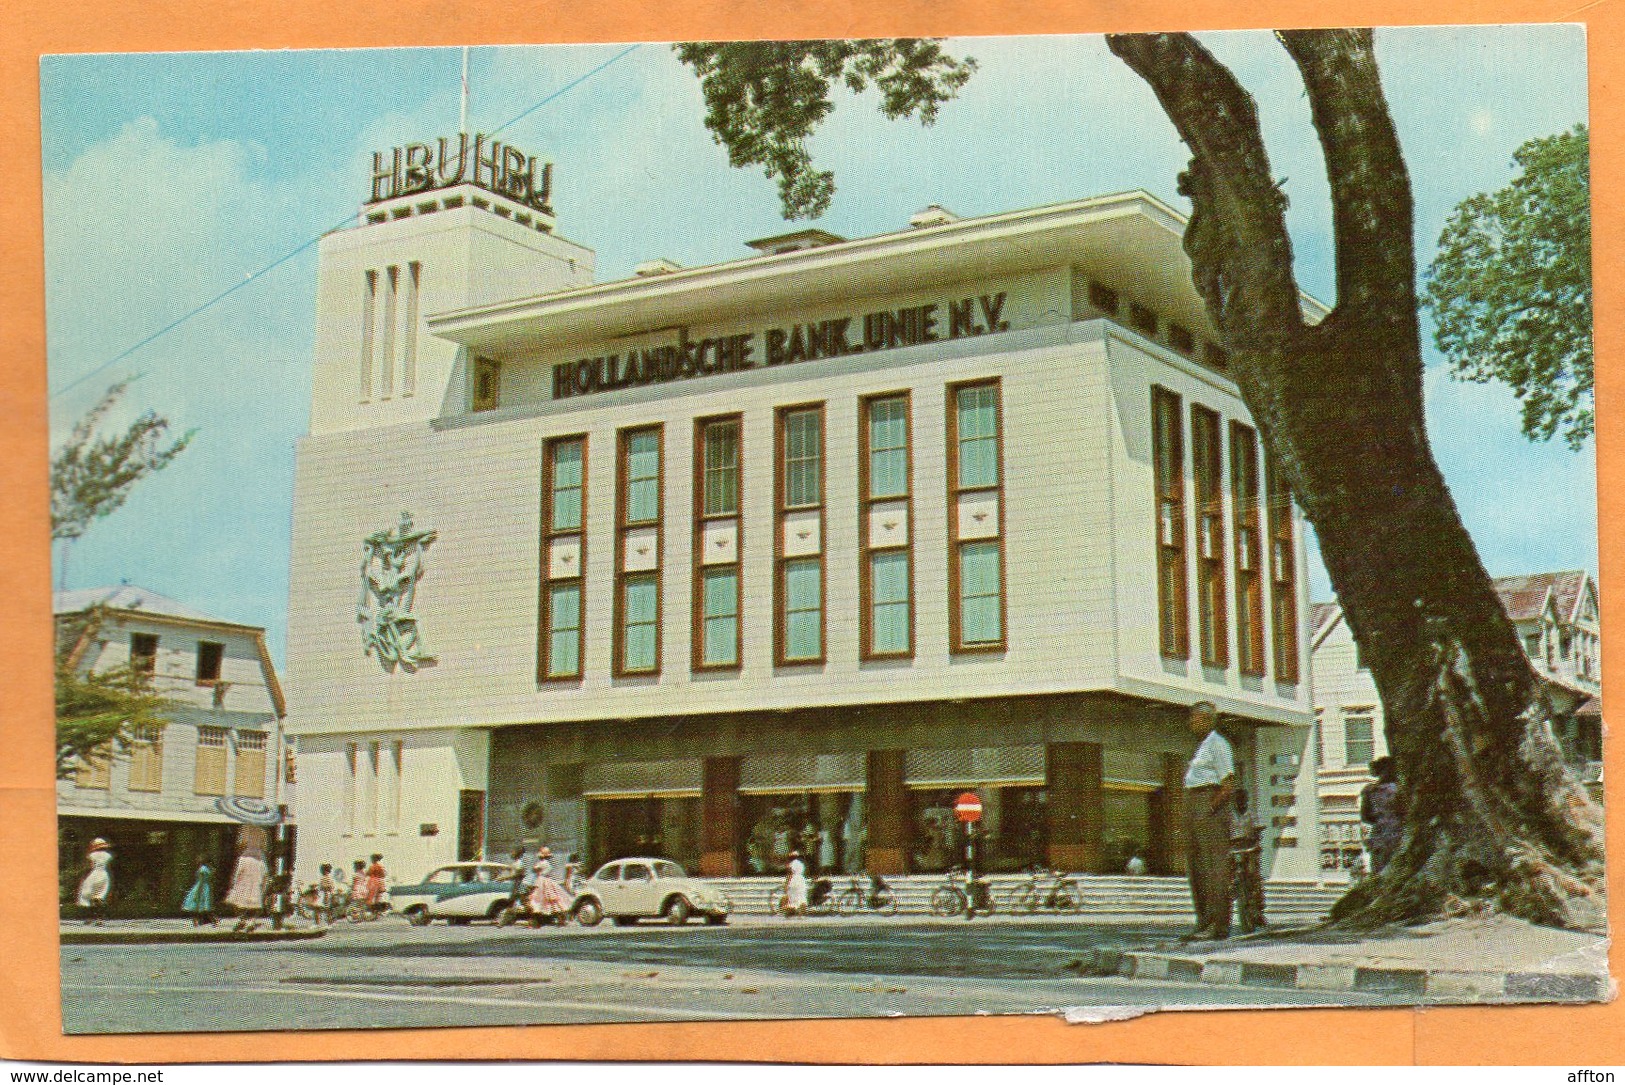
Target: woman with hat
{"type": "Point", "coordinates": [97, 882]}
{"type": "Point", "coordinates": [247, 893]}
{"type": "Point", "coordinates": [795, 885]}
{"type": "Point", "coordinates": [547, 900]}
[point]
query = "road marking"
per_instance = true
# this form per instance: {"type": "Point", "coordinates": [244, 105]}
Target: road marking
{"type": "Point", "coordinates": [457, 1000]}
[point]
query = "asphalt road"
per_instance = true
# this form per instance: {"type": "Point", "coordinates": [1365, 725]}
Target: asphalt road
{"type": "Point", "coordinates": [391, 975]}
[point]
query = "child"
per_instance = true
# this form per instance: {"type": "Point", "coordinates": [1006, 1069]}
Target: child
{"type": "Point", "coordinates": [1246, 849]}
{"type": "Point", "coordinates": [375, 884]}
{"type": "Point", "coordinates": [358, 884]}
{"type": "Point", "coordinates": [327, 888]}
{"type": "Point", "coordinates": [199, 902]}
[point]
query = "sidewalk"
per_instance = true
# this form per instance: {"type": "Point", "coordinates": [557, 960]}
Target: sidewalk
{"type": "Point", "coordinates": [1494, 959]}
{"type": "Point", "coordinates": [132, 932]}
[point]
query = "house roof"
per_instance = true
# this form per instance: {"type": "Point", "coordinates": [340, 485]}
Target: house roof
{"type": "Point", "coordinates": [1523, 597]}
{"type": "Point", "coordinates": [1321, 616]}
{"type": "Point", "coordinates": [129, 597]}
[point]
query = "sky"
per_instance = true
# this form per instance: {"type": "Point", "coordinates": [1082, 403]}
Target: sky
{"type": "Point", "coordinates": [170, 179]}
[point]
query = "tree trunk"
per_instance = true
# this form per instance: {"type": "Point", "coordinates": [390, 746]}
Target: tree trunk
{"type": "Point", "coordinates": [1493, 816]}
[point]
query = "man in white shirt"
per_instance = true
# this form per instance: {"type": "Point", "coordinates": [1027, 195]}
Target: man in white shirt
{"type": "Point", "coordinates": [1210, 780]}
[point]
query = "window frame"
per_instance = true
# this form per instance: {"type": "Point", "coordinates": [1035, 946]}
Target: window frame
{"type": "Point", "coordinates": [783, 510]}
{"type": "Point", "coordinates": [1246, 533]}
{"type": "Point", "coordinates": [1283, 589]}
{"type": "Point", "coordinates": [147, 746]}
{"type": "Point", "coordinates": [623, 528]}
{"type": "Point", "coordinates": [1369, 718]}
{"type": "Point", "coordinates": [956, 545]}
{"type": "Point", "coordinates": [698, 617]}
{"type": "Point", "coordinates": [867, 502]}
{"type": "Point", "coordinates": [218, 651]}
{"type": "Point", "coordinates": [1169, 538]}
{"type": "Point", "coordinates": [1207, 470]}
{"type": "Point", "coordinates": [551, 533]}
{"type": "Point", "coordinates": [143, 661]}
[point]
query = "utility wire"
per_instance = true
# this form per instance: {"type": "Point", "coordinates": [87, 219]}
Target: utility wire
{"type": "Point", "coordinates": [279, 261]}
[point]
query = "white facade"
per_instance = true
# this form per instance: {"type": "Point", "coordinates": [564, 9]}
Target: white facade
{"type": "Point", "coordinates": [1072, 517]}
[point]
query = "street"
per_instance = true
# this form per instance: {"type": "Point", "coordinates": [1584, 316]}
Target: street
{"type": "Point", "coordinates": [391, 975]}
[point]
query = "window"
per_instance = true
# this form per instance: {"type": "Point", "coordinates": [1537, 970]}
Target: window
{"type": "Point", "coordinates": [487, 384]}
{"type": "Point", "coordinates": [1181, 339]}
{"type": "Point", "coordinates": [386, 350]}
{"type": "Point", "coordinates": [976, 500]}
{"type": "Point", "coordinates": [209, 774]}
{"type": "Point", "coordinates": [885, 511]}
{"type": "Point", "coordinates": [718, 544]}
{"type": "Point", "coordinates": [94, 772]}
{"type": "Point", "coordinates": [803, 610]}
{"type": "Point", "coordinates": [144, 652]}
{"type": "Point", "coordinates": [409, 330]}
{"type": "Point", "coordinates": [1284, 575]}
{"type": "Point", "coordinates": [1207, 461]}
{"type": "Point", "coordinates": [1168, 460]}
{"type": "Point", "coordinates": [803, 458]}
{"type": "Point", "coordinates": [209, 655]}
{"type": "Point", "coordinates": [369, 316]}
{"type": "Point", "coordinates": [147, 758]}
{"type": "Point", "coordinates": [352, 758]}
{"type": "Point", "coordinates": [1217, 356]}
{"type": "Point", "coordinates": [638, 546]}
{"type": "Point", "coordinates": [563, 557]}
{"type": "Point", "coordinates": [719, 619]}
{"type": "Point", "coordinates": [1358, 744]}
{"type": "Point", "coordinates": [1103, 298]}
{"type": "Point", "coordinates": [799, 541]}
{"type": "Point", "coordinates": [1143, 319]}
{"type": "Point", "coordinates": [250, 764]}
{"type": "Point", "coordinates": [1249, 585]}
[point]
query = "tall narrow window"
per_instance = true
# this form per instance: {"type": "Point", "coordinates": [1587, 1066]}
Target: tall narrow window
{"type": "Point", "coordinates": [1207, 462]}
{"type": "Point", "coordinates": [885, 527]}
{"type": "Point", "coordinates": [799, 546]}
{"type": "Point", "coordinates": [1283, 577]}
{"type": "Point", "coordinates": [147, 758]}
{"type": "Point", "coordinates": [250, 764]}
{"type": "Point", "coordinates": [352, 766]}
{"type": "Point", "coordinates": [1168, 461]}
{"type": "Point", "coordinates": [563, 557]}
{"type": "Point", "coordinates": [144, 652]}
{"type": "Point", "coordinates": [209, 771]}
{"type": "Point", "coordinates": [386, 353]}
{"type": "Point", "coordinates": [718, 543]}
{"type": "Point", "coordinates": [369, 788]}
{"type": "Point", "coordinates": [94, 771]}
{"type": "Point", "coordinates": [1249, 584]}
{"type": "Point", "coordinates": [409, 330]}
{"type": "Point", "coordinates": [486, 393]}
{"type": "Point", "coordinates": [638, 546]}
{"type": "Point", "coordinates": [1359, 741]}
{"type": "Point", "coordinates": [976, 500]}
{"type": "Point", "coordinates": [209, 655]}
{"type": "Point", "coordinates": [369, 319]}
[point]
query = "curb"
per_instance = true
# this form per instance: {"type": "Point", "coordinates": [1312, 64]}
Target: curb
{"type": "Point", "coordinates": [143, 938]}
{"type": "Point", "coordinates": [1418, 982]}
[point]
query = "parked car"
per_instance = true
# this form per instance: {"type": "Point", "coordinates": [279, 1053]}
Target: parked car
{"type": "Point", "coordinates": [627, 890]}
{"type": "Point", "coordinates": [458, 893]}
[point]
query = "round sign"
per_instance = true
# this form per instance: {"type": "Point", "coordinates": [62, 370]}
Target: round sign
{"type": "Point", "coordinates": [968, 808]}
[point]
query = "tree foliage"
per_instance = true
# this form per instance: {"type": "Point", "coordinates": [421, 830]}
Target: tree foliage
{"type": "Point", "coordinates": [92, 475]}
{"type": "Point", "coordinates": [764, 99]}
{"type": "Point", "coordinates": [97, 712]}
{"type": "Point", "coordinates": [1510, 290]}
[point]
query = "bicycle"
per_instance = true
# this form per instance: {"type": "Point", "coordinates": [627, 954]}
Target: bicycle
{"type": "Point", "coordinates": [956, 896]}
{"type": "Point", "coordinates": [879, 897]}
{"type": "Point", "coordinates": [821, 899]}
{"type": "Point", "coordinates": [1063, 893]}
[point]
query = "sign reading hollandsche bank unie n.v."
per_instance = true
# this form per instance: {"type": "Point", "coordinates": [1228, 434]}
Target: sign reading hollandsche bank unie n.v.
{"type": "Point", "coordinates": [886, 329]}
{"type": "Point", "coordinates": [488, 163]}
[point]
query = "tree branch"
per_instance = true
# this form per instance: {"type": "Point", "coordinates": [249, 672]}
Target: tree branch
{"type": "Point", "coordinates": [1237, 238]}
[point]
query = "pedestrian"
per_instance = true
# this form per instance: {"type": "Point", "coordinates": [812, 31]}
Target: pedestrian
{"type": "Point", "coordinates": [795, 885]}
{"type": "Point", "coordinates": [327, 893]}
{"type": "Point", "coordinates": [547, 899]}
{"type": "Point", "coordinates": [1136, 864]}
{"type": "Point", "coordinates": [97, 884]}
{"type": "Point", "coordinates": [524, 877]}
{"type": "Point", "coordinates": [1383, 808]}
{"type": "Point", "coordinates": [376, 886]}
{"type": "Point", "coordinates": [247, 893]}
{"type": "Point", "coordinates": [358, 888]}
{"type": "Point", "coordinates": [1210, 778]}
{"type": "Point", "coordinates": [199, 902]}
{"type": "Point", "coordinates": [1246, 854]}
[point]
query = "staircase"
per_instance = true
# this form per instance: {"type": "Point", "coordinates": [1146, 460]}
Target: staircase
{"type": "Point", "coordinates": [1106, 898]}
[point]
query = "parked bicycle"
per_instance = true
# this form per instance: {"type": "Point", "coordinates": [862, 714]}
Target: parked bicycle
{"type": "Point", "coordinates": [878, 897]}
{"type": "Point", "coordinates": [957, 896]}
{"type": "Point", "coordinates": [1051, 890]}
{"type": "Point", "coordinates": [821, 899]}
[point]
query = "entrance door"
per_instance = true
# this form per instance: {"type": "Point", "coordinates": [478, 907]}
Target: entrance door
{"type": "Point", "coordinates": [470, 825]}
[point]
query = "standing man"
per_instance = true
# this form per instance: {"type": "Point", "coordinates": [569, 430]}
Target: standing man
{"type": "Point", "coordinates": [1210, 780]}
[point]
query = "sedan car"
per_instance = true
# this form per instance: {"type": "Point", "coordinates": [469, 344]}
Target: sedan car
{"type": "Point", "coordinates": [458, 893]}
{"type": "Point", "coordinates": [627, 890]}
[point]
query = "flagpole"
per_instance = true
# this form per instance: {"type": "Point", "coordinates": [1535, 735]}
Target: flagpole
{"type": "Point", "coordinates": [462, 120]}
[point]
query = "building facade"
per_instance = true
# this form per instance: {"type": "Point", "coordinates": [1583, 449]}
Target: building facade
{"type": "Point", "coordinates": [1555, 615]}
{"type": "Point", "coordinates": [157, 802]}
{"type": "Point", "coordinates": [785, 552]}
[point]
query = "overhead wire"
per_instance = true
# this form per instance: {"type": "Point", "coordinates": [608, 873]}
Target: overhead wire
{"type": "Point", "coordinates": [279, 261]}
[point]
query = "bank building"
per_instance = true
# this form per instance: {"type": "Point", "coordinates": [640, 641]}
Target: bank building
{"type": "Point", "coordinates": [788, 551]}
